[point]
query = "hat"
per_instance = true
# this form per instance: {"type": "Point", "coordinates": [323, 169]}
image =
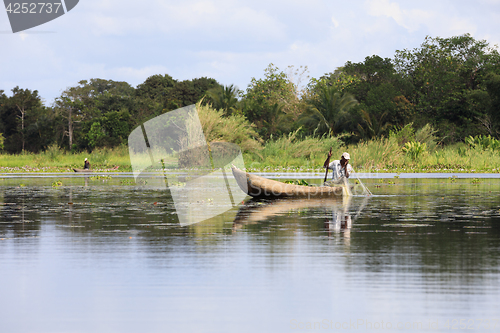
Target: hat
{"type": "Point", "coordinates": [86, 158]}
{"type": "Point", "coordinates": [346, 156]}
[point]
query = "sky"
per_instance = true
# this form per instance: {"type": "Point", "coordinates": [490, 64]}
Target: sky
{"type": "Point", "coordinates": [228, 40]}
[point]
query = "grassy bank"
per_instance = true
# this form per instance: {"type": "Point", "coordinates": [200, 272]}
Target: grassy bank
{"type": "Point", "coordinates": [56, 160]}
{"type": "Point", "coordinates": [288, 153]}
{"type": "Point", "coordinates": [382, 155]}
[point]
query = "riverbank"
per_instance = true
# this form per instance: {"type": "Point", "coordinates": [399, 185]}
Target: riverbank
{"type": "Point", "coordinates": [285, 155]}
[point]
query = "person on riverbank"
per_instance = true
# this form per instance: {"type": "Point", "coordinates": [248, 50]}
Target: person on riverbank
{"type": "Point", "coordinates": [86, 166]}
{"type": "Point", "coordinates": [341, 168]}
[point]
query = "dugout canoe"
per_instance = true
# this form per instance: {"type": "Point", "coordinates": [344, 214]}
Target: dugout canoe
{"type": "Point", "coordinates": [90, 170]}
{"type": "Point", "coordinates": [81, 170]}
{"type": "Point", "coordinates": [257, 186]}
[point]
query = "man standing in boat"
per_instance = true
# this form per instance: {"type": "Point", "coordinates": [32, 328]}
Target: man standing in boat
{"type": "Point", "coordinates": [86, 166]}
{"type": "Point", "coordinates": [341, 168]}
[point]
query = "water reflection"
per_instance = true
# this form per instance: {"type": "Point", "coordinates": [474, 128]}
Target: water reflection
{"type": "Point", "coordinates": [107, 255]}
{"type": "Point", "coordinates": [260, 210]}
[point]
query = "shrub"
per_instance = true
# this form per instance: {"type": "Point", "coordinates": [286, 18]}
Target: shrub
{"type": "Point", "coordinates": [233, 128]}
{"type": "Point", "coordinates": [415, 149]}
{"type": "Point", "coordinates": [483, 142]}
{"type": "Point", "coordinates": [403, 134]}
{"type": "Point", "coordinates": [53, 152]}
{"type": "Point", "coordinates": [407, 134]}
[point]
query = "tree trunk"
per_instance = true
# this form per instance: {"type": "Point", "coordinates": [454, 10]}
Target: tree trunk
{"type": "Point", "coordinates": [70, 129]}
{"type": "Point", "coordinates": [23, 111]}
{"type": "Point", "coordinates": [22, 127]}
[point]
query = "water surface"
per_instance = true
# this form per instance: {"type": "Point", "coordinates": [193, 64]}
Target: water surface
{"type": "Point", "coordinates": [103, 255]}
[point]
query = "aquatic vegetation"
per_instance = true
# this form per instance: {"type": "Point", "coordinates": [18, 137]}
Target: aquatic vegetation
{"type": "Point", "coordinates": [100, 177]}
{"type": "Point", "coordinates": [57, 183]}
{"type": "Point", "coordinates": [415, 149]}
{"type": "Point", "coordinates": [302, 182]}
{"type": "Point", "coordinates": [483, 142]}
{"type": "Point", "coordinates": [293, 153]}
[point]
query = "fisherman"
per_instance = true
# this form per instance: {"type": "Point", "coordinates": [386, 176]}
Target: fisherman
{"type": "Point", "coordinates": [86, 165]}
{"type": "Point", "coordinates": [341, 168]}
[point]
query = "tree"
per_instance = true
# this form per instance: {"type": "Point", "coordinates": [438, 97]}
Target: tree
{"type": "Point", "coordinates": [223, 98]}
{"type": "Point", "coordinates": [25, 101]}
{"type": "Point", "coordinates": [328, 109]}
{"type": "Point", "coordinates": [161, 93]}
{"type": "Point", "coordinates": [92, 102]}
{"type": "Point", "coordinates": [276, 93]}
{"type": "Point", "coordinates": [3, 102]}
{"type": "Point", "coordinates": [339, 79]}
{"type": "Point", "coordinates": [274, 88]}
{"type": "Point", "coordinates": [372, 127]}
{"type": "Point", "coordinates": [70, 106]}
{"type": "Point", "coordinates": [444, 73]}
{"type": "Point", "coordinates": [155, 87]}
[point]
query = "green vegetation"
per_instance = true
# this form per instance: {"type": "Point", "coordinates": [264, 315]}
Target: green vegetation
{"type": "Point", "coordinates": [405, 150]}
{"type": "Point", "coordinates": [58, 160]}
{"type": "Point", "coordinates": [57, 183]}
{"type": "Point", "coordinates": [301, 182]}
{"type": "Point", "coordinates": [430, 108]}
{"type": "Point", "coordinates": [100, 177]}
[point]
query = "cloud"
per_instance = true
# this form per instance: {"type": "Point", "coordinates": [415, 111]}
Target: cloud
{"type": "Point", "coordinates": [135, 75]}
{"type": "Point", "coordinates": [210, 20]}
{"type": "Point", "coordinates": [335, 22]}
{"type": "Point", "coordinates": [439, 18]}
{"type": "Point", "coordinates": [229, 40]}
{"type": "Point", "coordinates": [409, 19]}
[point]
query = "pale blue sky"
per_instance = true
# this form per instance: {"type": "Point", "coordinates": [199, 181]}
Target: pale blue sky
{"type": "Point", "coordinates": [231, 41]}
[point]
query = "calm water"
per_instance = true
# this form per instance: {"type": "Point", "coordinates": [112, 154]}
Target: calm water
{"type": "Point", "coordinates": [105, 256]}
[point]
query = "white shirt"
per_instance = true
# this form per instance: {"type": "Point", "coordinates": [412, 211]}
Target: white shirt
{"type": "Point", "coordinates": [338, 171]}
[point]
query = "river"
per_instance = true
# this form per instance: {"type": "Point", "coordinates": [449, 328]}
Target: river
{"type": "Point", "coordinates": [104, 255]}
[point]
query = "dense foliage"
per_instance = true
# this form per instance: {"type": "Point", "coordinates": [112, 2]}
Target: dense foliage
{"type": "Point", "coordinates": [451, 85]}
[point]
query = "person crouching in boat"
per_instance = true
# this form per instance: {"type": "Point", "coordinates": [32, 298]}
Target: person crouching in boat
{"type": "Point", "coordinates": [341, 168]}
{"type": "Point", "coordinates": [86, 166]}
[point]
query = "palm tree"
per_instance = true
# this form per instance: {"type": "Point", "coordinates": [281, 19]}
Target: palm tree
{"type": "Point", "coordinates": [328, 109]}
{"type": "Point", "coordinates": [224, 98]}
{"type": "Point", "coordinates": [373, 127]}
{"type": "Point", "coordinates": [275, 121]}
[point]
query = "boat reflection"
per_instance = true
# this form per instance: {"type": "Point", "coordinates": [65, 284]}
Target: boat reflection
{"type": "Point", "coordinates": [338, 211]}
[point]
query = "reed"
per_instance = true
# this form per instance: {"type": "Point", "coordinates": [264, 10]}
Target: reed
{"type": "Point", "coordinates": [55, 160]}
{"type": "Point", "coordinates": [380, 155]}
{"type": "Point", "coordinates": [293, 152]}
{"type": "Point", "coordinates": [290, 152]}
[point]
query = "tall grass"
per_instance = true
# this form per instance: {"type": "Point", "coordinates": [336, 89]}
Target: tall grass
{"type": "Point", "coordinates": [376, 154]}
{"type": "Point", "coordinates": [380, 155]}
{"type": "Point", "coordinates": [290, 152]}
{"type": "Point", "coordinates": [233, 128]}
{"type": "Point", "coordinates": [56, 160]}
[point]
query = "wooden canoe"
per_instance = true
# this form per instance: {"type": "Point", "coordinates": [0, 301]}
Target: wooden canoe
{"type": "Point", "coordinates": [90, 170]}
{"type": "Point", "coordinates": [81, 170]}
{"type": "Point", "coordinates": [257, 186]}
